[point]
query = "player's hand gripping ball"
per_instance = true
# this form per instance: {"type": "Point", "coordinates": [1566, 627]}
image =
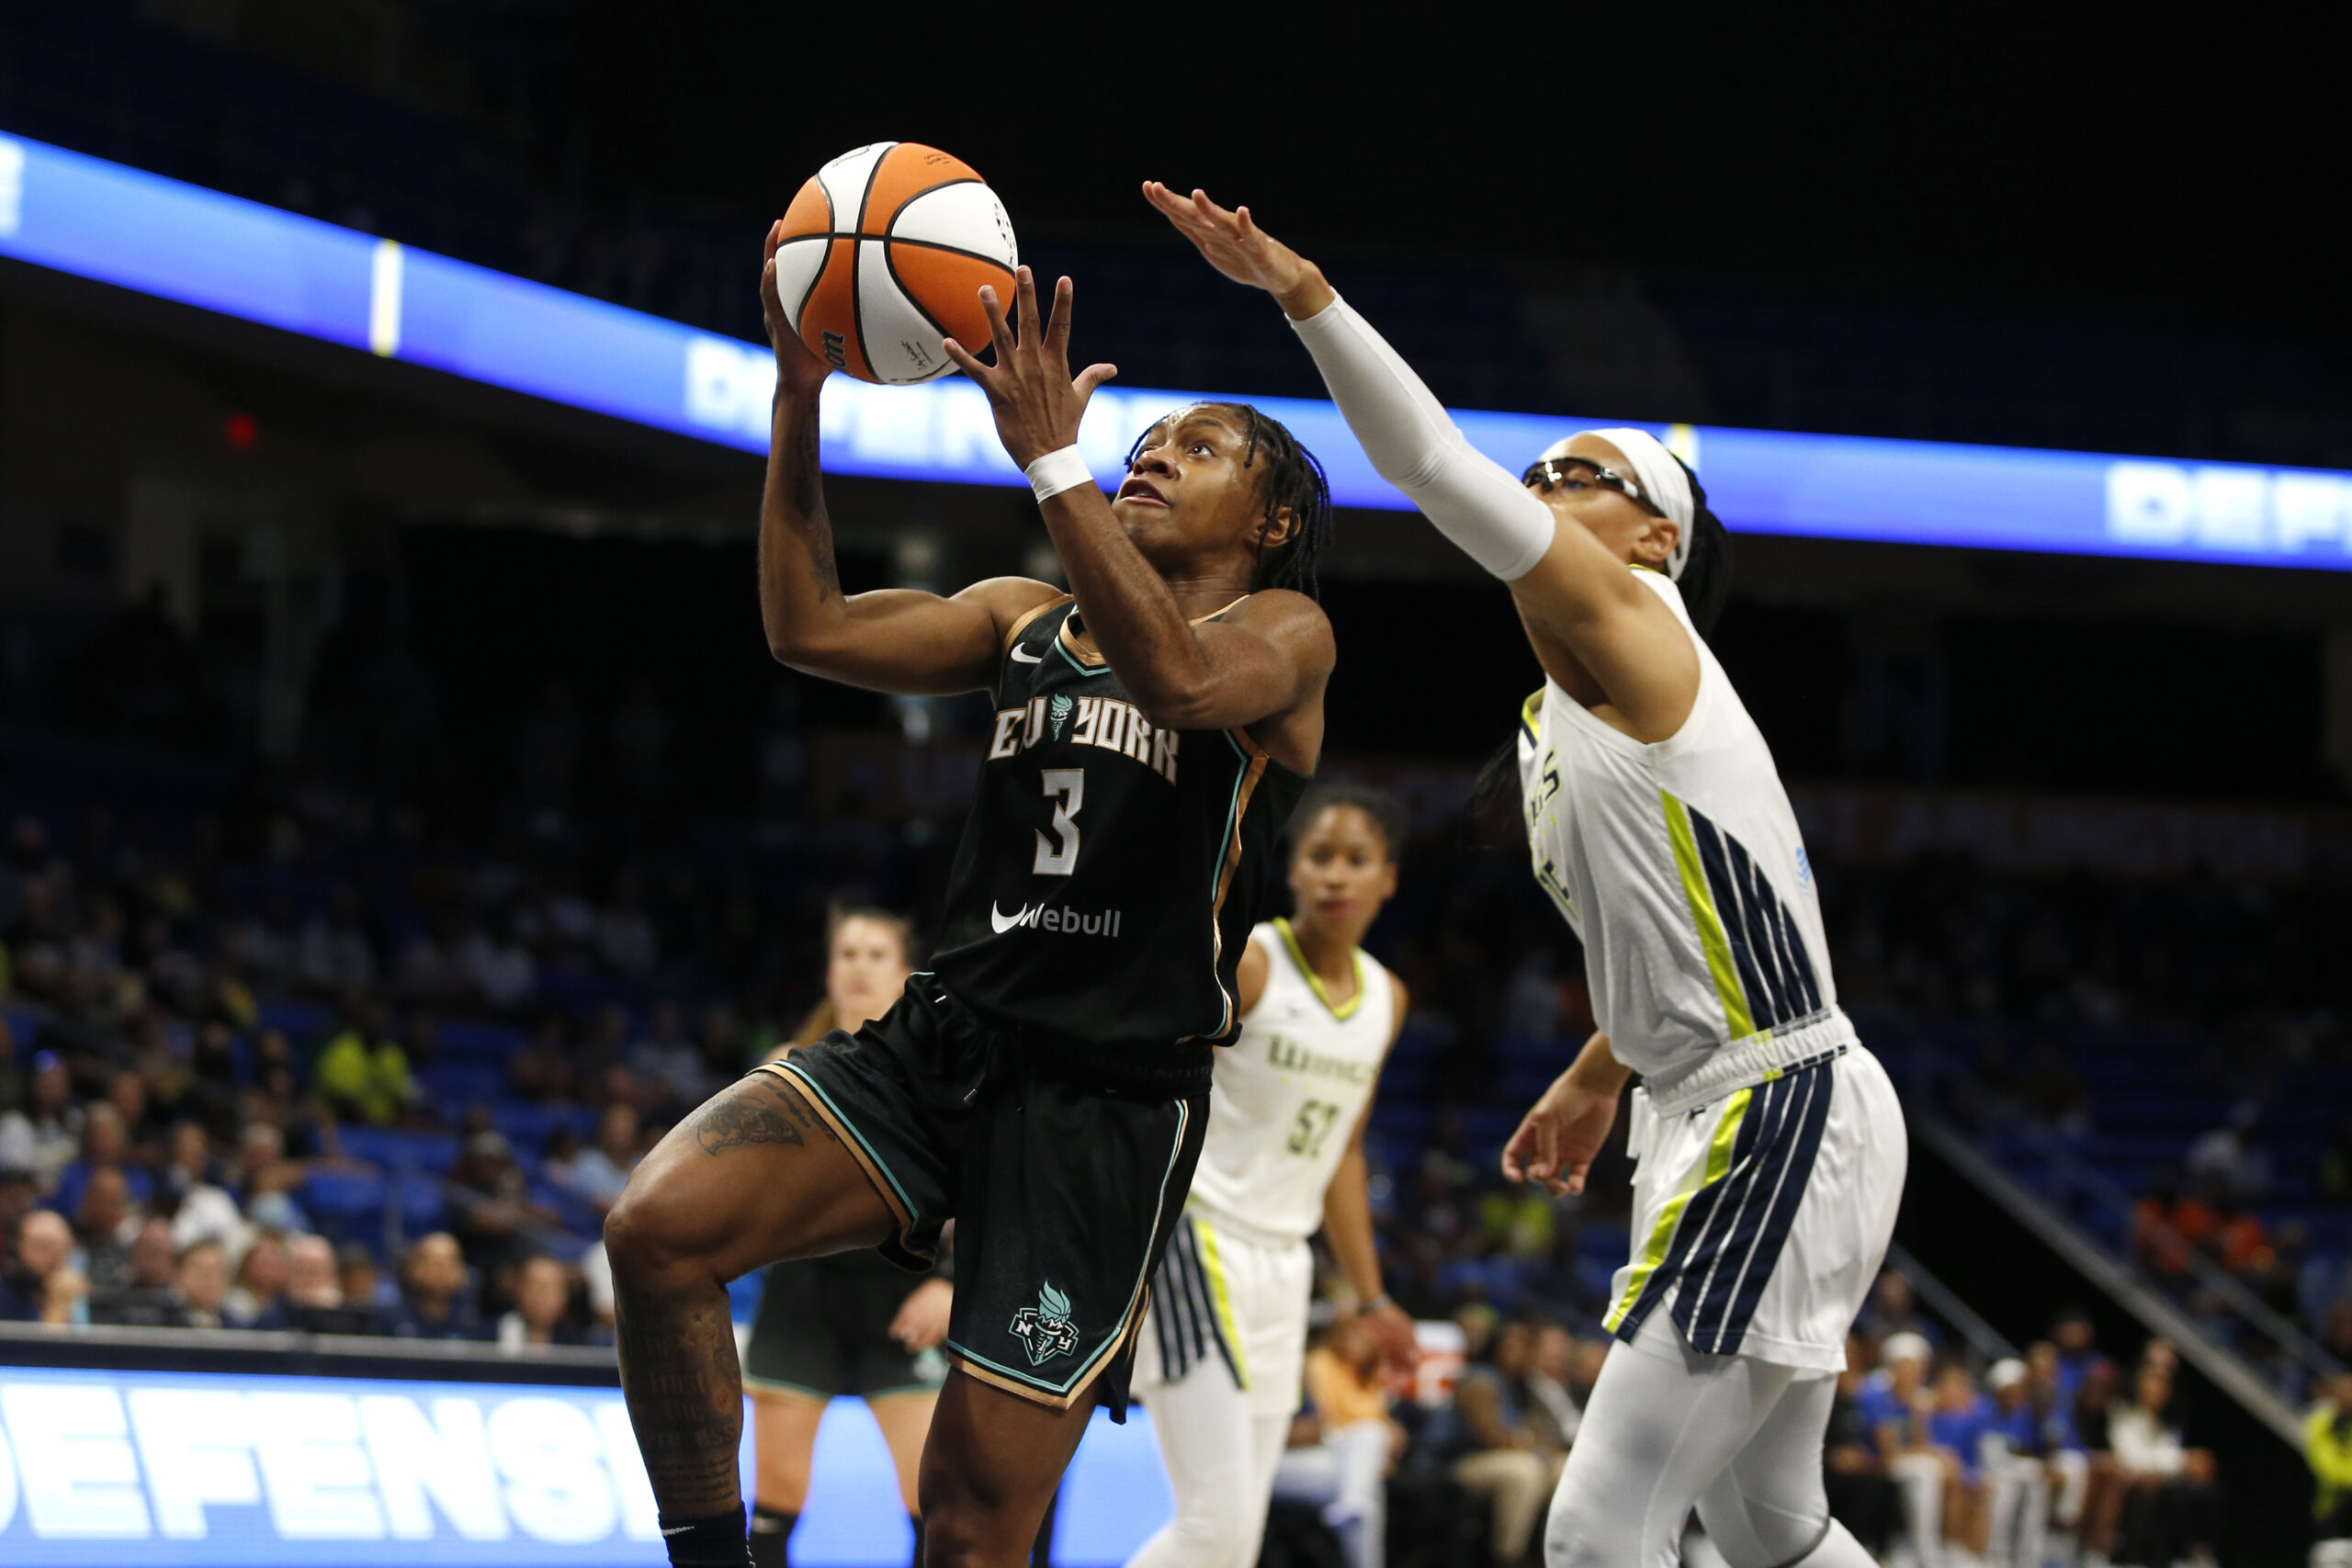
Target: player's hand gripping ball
{"type": "Point", "coordinates": [884, 252]}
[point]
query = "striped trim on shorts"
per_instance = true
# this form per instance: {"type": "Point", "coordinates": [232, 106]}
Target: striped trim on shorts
{"type": "Point", "coordinates": [1192, 1305]}
{"type": "Point", "coordinates": [1717, 1241]}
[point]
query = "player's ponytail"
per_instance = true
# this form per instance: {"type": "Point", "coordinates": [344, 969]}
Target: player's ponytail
{"type": "Point", "coordinates": [1497, 816]}
{"type": "Point", "coordinates": [1705, 581]}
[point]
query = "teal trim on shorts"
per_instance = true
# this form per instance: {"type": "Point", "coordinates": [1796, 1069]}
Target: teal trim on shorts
{"type": "Point", "coordinates": [914, 1212]}
{"type": "Point", "coordinates": [1130, 1321]}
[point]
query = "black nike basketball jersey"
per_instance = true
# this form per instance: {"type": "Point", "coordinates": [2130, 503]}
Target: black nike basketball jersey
{"type": "Point", "coordinates": [1111, 870]}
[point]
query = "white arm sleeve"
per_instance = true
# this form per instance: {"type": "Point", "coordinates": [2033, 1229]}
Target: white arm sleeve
{"type": "Point", "coordinates": [1416, 446]}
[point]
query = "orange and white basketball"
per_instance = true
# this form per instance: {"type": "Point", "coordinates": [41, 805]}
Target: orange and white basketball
{"type": "Point", "coordinates": [884, 252]}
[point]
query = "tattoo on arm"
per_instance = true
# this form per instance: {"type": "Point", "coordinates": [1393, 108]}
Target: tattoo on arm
{"type": "Point", "coordinates": [816, 527]}
{"type": "Point", "coordinates": [756, 1111]}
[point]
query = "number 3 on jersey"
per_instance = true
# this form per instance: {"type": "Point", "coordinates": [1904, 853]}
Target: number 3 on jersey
{"type": "Point", "coordinates": [1066, 787]}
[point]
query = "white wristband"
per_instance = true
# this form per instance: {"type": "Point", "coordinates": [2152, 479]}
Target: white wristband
{"type": "Point", "coordinates": [1057, 471]}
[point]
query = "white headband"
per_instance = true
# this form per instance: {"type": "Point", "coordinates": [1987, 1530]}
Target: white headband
{"type": "Point", "coordinates": [1663, 483]}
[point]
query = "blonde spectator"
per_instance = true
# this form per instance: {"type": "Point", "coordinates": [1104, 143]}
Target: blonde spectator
{"type": "Point", "coordinates": [1343, 1444]}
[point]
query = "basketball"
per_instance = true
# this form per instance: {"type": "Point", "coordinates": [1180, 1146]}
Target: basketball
{"type": "Point", "coordinates": [884, 252]}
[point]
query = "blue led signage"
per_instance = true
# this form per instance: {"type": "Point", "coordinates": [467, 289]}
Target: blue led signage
{"type": "Point", "coordinates": [138, 230]}
{"type": "Point", "coordinates": [130, 1469]}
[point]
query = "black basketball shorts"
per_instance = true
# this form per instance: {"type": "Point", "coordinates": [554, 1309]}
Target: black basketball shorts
{"type": "Point", "coordinates": [1063, 1173]}
{"type": "Point", "coordinates": [824, 1329]}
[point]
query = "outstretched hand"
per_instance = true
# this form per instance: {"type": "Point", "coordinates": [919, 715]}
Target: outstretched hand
{"type": "Point", "coordinates": [1560, 1136]}
{"type": "Point", "coordinates": [1234, 244]}
{"type": "Point", "coordinates": [1030, 390]}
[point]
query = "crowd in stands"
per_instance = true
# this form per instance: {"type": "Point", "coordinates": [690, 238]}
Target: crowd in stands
{"type": "Point", "coordinates": [305, 1063]}
{"type": "Point", "coordinates": [2188, 1038]}
{"type": "Point", "coordinates": [1935, 1454]}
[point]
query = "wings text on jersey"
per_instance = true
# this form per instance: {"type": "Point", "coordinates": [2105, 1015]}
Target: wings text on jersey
{"type": "Point", "coordinates": [1107, 722]}
{"type": "Point", "coordinates": [1290, 1057]}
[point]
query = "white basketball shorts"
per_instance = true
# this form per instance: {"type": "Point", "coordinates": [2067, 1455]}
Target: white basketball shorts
{"type": "Point", "coordinates": [1231, 1301]}
{"type": "Point", "coordinates": [1762, 1216]}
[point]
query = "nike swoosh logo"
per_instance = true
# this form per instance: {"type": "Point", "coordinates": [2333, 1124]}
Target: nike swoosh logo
{"type": "Point", "coordinates": [677, 1530]}
{"type": "Point", "coordinates": [1003, 921]}
{"type": "Point", "coordinates": [1020, 657]}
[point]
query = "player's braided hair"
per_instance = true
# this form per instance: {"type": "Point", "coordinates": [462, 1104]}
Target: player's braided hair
{"type": "Point", "coordinates": [1292, 478]}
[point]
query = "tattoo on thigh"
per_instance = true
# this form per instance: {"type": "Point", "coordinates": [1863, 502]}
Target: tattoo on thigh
{"type": "Point", "coordinates": [756, 1111]}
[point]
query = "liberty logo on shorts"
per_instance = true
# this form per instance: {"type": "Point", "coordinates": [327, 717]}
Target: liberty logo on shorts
{"type": "Point", "coordinates": [1045, 1328]}
{"type": "Point", "coordinates": [1058, 712]}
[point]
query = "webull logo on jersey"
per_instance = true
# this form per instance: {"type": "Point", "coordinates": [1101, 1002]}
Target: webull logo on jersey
{"type": "Point", "coordinates": [1107, 722]}
{"type": "Point", "coordinates": [1045, 1328]}
{"type": "Point", "coordinates": [1045, 916]}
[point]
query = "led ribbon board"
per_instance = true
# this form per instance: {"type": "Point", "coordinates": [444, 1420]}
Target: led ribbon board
{"type": "Point", "coordinates": [126, 1469]}
{"type": "Point", "coordinates": [138, 230]}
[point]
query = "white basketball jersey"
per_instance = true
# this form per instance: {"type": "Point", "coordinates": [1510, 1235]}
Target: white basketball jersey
{"type": "Point", "coordinates": [1680, 867]}
{"type": "Point", "coordinates": [1287, 1094]}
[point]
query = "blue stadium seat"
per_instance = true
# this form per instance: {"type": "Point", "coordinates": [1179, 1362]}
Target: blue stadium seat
{"type": "Point", "coordinates": [344, 1204]}
{"type": "Point", "coordinates": [394, 1149]}
{"type": "Point", "coordinates": [462, 1040]}
{"type": "Point", "coordinates": [302, 1023]}
{"type": "Point", "coordinates": [463, 1083]}
{"type": "Point", "coordinates": [528, 1126]}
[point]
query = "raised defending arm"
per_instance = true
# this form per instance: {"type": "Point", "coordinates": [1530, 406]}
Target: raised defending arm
{"type": "Point", "coordinates": [1576, 596]}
